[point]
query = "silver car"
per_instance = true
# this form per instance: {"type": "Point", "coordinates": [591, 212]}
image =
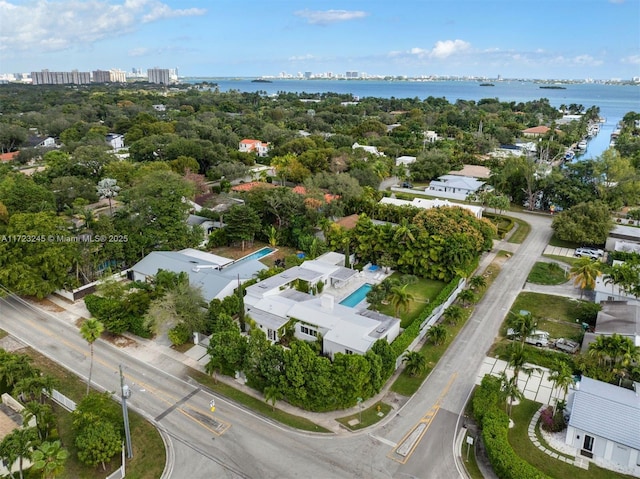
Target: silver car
{"type": "Point", "coordinates": [593, 253]}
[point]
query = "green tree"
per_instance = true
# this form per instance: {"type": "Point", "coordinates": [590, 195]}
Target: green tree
{"type": "Point", "coordinates": [50, 458]}
{"type": "Point", "coordinates": [18, 446]}
{"type": "Point", "coordinates": [466, 296]}
{"type": "Point", "coordinates": [437, 334]}
{"type": "Point", "coordinates": [562, 377]}
{"type": "Point", "coordinates": [400, 298]}
{"type": "Point", "coordinates": [523, 324]}
{"type": "Point", "coordinates": [108, 188]}
{"type": "Point", "coordinates": [477, 282]}
{"type": "Point", "coordinates": [272, 395]}
{"type": "Point", "coordinates": [242, 224]}
{"type": "Point", "coordinates": [98, 443]}
{"type": "Point", "coordinates": [453, 314]}
{"type": "Point", "coordinates": [38, 267]}
{"type": "Point", "coordinates": [584, 273]}
{"type": "Point", "coordinates": [414, 362]}
{"type": "Point", "coordinates": [90, 330]}
{"type": "Point", "coordinates": [510, 390]}
{"type": "Point", "coordinates": [43, 415]}
{"type": "Point", "coordinates": [20, 194]}
{"type": "Point", "coordinates": [585, 223]}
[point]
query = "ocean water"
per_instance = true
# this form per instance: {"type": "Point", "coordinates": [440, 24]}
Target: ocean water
{"type": "Point", "coordinates": [614, 101]}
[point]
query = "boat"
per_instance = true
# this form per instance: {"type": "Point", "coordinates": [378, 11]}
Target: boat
{"type": "Point", "coordinates": [487, 84]}
{"type": "Point", "coordinates": [569, 155]}
{"type": "Point", "coordinates": [582, 145]}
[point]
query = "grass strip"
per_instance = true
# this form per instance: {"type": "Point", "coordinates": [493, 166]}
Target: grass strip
{"type": "Point", "coordinates": [366, 417]}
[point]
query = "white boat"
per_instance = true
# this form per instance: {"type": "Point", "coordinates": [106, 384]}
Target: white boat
{"type": "Point", "coordinates": [582, 145]}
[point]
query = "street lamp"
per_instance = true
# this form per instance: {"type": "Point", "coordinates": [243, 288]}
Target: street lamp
{"type": "Point", "coordinates": [126, 394]}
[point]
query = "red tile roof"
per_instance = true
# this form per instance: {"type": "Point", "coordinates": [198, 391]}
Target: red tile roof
{"type": "Point", "coordinates": [251, 185]}
{"type": "Point", "coordinates": [9, 156]}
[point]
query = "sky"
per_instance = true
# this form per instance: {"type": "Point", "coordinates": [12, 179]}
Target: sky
{"type": "Point", "coordinates": [550, 39]}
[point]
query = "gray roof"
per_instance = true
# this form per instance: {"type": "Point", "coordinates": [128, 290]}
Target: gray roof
{"type": "Point", "coordinates": [607, 411]}
{"type": "Point", "coordinates": [618, 317]}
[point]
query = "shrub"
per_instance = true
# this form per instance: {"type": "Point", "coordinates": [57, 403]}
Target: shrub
{"type": "Point", "coordinates": [550, 422]}
{"type": "Point", "coordinates": [179, 334]}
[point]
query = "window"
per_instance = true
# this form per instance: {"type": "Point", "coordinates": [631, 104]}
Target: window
{"type": "Point", "coordinates": [308, 331]}
{"type": "Point", "coordinates": [271, 334]}
{"type": "Point", "coordinates": [348, 351]}
{"type": "Point", "coordinates": [588, 443]}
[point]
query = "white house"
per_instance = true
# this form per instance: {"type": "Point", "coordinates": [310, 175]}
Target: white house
{"type": "Point", "coordinates": [216, 276]}
{"type": "Point", "coordinates": [604, 424]}
{"type": "Point", "coordinates": [405, 160]}
{"type": "Point", "coordinates": [276, 302]}
{"type": "Point", "coordinates": [369, 149]}
{"type": "Point", "coordinates": [428, 204]}
{"type": "Point", "coordinates": [37, 141]}
{"type": "Point", "coordinates": [116, 141]}
{"type": "Point", "coordinates": [604, 291]}
{"type": "Point", "coordinates": [430, 136]}
{"type": "Point", "coordinates": [455, 186]}
{"type": "Point", "coordinates": [254, 146]}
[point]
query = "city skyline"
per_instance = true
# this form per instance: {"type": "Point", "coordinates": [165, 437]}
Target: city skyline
{"type": "Point", "coordinates": [517, 39]}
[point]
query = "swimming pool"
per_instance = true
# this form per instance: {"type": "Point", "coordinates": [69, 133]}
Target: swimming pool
{"type": "Point", "coordinates": [257, 254]}
{"type": "Point", "coordinates": [357, 296]}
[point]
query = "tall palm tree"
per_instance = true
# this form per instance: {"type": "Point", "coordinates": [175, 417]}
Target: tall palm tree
{"type": "Point", "coordinates": [400, 298]}
{"type": "Point", "coordinates": [510, 390]}
{"type": "Point", "coordinates": [414, 362]}
{"type": "Point", "coordinates": [91, 330]}
{"type": "Point", "coordinates": [523, 323]}
{"type": "Point", "coordinates": [562, 377]}
{"type": "Point", "coordinates": [18, 446]}
{"type": "Point", "coordinates": [517, 359]}
{"type": "Point", "coordinates": [584, 273]}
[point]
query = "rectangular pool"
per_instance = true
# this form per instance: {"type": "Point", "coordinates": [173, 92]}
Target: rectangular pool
{"type": "Point", "coordinates": [357, 296]}
{"type": "Point", "coordinates": [257, 254]}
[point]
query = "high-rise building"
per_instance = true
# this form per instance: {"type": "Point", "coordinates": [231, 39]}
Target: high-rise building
{"type": "Point", "coordinates": [74, 77]}
{"type": "Point", "coordinates": [159, 76]}
{"type": "Point", "coordinates": [101, 76]}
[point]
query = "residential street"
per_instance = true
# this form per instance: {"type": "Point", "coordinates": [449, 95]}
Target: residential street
{"type": "Point", "coordinates": [234, 442]}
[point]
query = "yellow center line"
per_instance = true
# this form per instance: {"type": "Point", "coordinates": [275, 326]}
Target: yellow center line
{"type": "Point", "coordinates": [424, 422]}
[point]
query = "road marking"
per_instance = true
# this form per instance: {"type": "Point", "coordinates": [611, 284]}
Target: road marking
{"type": "Point", "coordinates": [383, 440]}
{"type": "Point", "coordinates": [407, 445]}
{"type": "Point", "coordinates": [164, 413]}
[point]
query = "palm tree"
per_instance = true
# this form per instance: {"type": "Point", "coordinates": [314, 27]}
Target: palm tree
{"type": "Point", "coordinates": [403, 232]}
{"type": "Point", "coordinates": [272, 236]}
{"type": "Point", "coordinates": [437, 334]}
{"type": "Point", "coordinates": [523, 323]}
{"type": "Point", "coordinates": [510, 390]}
{"type": "Point", "coordinates": [562, 377]}
{"type": "Point", "coordinates": [34, 387]}
{"type": "Point", "coordinates": [50, 458]}
{"type": "Point", "coordinates": [14, 367]}
{"type": "Point", "coordinates": [271, 395]}
{"type": "Point", "coordinates": [400, 298]}
{"type": "Point", "coordinates": [466, 296]}
{"type": "Point", "coordinates": [584, 273]}
{"type": "Point", "coordinates": [477, 282]}
{"type": "Point", "coordinates": [91, 330]}
{"type": "Point", "coordinates": [453, 314]}
{"type": "Point", "coordinates": [43, 415]}
{"type": "Point", "coordinates": [414, 362]}
{"type": "Point", "coordinates": [17, 446]}
{"type": "Point", "coordinates": [517, 359]}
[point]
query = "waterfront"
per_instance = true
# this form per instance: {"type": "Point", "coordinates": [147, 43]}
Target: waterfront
{"type": "Point", "coordinates": [614, 101]}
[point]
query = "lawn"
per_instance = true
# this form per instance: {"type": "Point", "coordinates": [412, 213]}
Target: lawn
{"type": "Point", "coordinates": [469, 455]}
{"type": "Point", "coordinates": [547, 273]}
{"type": "Point", "coordinates": [366, 417]}
{"type": "Point", "coordinates": [555, 314]}
{"type": "Point", "coordinates": [424, 290]}
{"type": "Point", "coordinates": [521, 232]}
{"type": "Point", "coordinates": [148, 448]}
{"type": "Point", "coordinates": [523, 447]}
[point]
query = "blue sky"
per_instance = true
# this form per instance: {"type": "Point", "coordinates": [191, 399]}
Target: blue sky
{"type": "Point", "coordinates": [572, 39]}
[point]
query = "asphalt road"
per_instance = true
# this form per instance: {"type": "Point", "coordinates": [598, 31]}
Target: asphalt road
{"type": "Point", "coordinates": [235, 443]}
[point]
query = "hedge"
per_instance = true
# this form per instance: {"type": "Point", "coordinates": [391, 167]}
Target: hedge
{"type": "Point", "coordinates": [495, 429]}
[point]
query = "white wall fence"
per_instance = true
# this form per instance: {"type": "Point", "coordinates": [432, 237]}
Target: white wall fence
{"type": "Point", "coordinates": [435, 315]}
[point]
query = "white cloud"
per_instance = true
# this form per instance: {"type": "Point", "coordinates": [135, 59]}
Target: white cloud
{"type": "Point", "coordinates": [298, 58]}
{"type": "Point", "coordinates": [138, 52]}
{"type": "Point", "coordinates": [58, 25]}
{"type": "Point", "coordinates": [633, 60]}
{"type": "Point", "coordinates": [325, 17]}
{"type": "Point", "coordinates": [587, 60]}
{"type": "Point", "coordinates": [441, 49]}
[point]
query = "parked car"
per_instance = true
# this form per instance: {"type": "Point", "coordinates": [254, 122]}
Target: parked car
{"type": "Point", "coordinates": [537, 338]}
{"type": "Point", "coordinates": [566, 345]}
{"type": "Point", "coordinates": [593, 253]}
{"type": "Point", "coordinates": [406, 184]}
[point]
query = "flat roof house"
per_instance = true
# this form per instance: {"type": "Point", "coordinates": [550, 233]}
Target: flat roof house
{"type": "Point", "coordinates": [455, 186]}
{"type": "Point", "coordinates": [276, 302]}
{"type": "Point", "coordinates": [604, 424]}
{"type": "Point", "coordinates": [428, 204]}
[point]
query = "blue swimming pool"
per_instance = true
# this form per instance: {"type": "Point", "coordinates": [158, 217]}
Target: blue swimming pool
{"type": "Point", "coordinates": [258, 254]}
{"type": "Point", "coordinates": [357, 296]}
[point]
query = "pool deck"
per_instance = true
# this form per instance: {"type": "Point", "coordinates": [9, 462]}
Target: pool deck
{"type": "Point", "coordinates": [363, 277]}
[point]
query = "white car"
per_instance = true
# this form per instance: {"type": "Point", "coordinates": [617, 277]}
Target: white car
{"type": "Point", "coordinates": [593, 253]}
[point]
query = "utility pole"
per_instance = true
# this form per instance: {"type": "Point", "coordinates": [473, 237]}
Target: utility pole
{"type": "Point", "coordinates": [126, 393]}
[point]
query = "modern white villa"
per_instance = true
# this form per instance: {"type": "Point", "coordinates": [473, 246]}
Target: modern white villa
{"type": "Point", "coordinates": [604, 424]}
{"type": "Point", "coordinates": [428, 204]}
{"type": "Point", "coordinates": [455, 187]}
{"type": "Point", "coordinates": [338, 314]}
